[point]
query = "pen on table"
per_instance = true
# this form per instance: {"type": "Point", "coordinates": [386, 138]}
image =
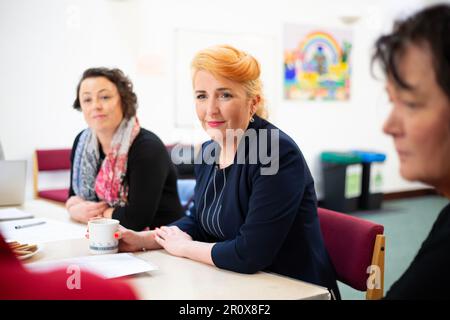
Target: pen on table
{"type": "Point", "coordinates": [29, 225]}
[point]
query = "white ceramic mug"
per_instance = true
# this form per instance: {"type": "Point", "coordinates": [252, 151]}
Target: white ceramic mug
{"type": "Point", "coordinates": [101, 236]}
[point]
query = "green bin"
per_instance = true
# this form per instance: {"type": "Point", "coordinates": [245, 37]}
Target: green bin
{"type": "Point", "coordinates": [342, 177]}
{"type": "Point", "coordinates": [372, 179]}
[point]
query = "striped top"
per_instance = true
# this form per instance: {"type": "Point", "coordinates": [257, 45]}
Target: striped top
{"type": "Point", "coordinates": [210, 207]}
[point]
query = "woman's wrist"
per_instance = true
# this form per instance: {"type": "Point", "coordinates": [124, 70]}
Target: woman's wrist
{"type": "Point", "coordinates": [187, 247]}
{"type": "Point", "coordinates": [198, 251]}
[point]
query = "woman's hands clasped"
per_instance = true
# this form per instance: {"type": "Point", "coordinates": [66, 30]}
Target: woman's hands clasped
{"type": "Point", "coordinates": [173, 240]}
{"type": "Point", "coordinates": [83, 211]}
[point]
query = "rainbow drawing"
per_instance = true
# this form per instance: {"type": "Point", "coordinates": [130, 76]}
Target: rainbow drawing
{"type": "Point", "coordinates": [317, 38]}
{"type": "Point", "coordinates": [316, 64]}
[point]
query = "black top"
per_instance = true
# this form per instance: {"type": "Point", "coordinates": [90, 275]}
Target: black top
{"type": "Point", "coordinates": [258, 221]}
{"type": "Point", "coordinates": [428, 275]}
{"type": "Point", "coordinates": [210, 208]}
{"type": "Point", "coordinates": [152, 197]}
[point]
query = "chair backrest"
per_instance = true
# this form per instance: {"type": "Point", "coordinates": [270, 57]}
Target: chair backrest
{"type": "Point", "coordinates": [354, 244]}
{"type": "Point", "coordinates": [54, 159]}
{"type": "Point", "coordinates": [50, 160]}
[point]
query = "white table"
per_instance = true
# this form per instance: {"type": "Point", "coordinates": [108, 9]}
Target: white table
{"type": "Point", "coordinates": [179, 278]}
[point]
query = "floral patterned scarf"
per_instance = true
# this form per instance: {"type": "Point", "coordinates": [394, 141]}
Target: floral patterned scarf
{"type": "Point", "coordinates": [108, 185]}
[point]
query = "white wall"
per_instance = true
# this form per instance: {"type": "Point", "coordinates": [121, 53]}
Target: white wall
{"type": "Point", "coordinates": [46, 44]}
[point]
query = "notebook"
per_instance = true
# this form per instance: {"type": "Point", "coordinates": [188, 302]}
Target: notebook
{"type": "Point", "coordinates": [13, 214]}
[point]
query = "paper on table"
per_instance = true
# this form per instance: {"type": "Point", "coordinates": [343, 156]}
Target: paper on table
{"type": "Point", "coordinates": [13, 214]}
{"type": "Point", "coordinates": [107, 265]}
{"type": "Point", "coordinates": [51, 230]}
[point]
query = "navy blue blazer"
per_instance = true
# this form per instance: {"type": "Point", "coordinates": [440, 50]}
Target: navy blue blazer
{"type": "Point", "coordinates": [270, 222]}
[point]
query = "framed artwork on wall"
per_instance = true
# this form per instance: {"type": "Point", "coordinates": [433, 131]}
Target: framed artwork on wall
{"type": "Point", "coordinates": [317, 63]}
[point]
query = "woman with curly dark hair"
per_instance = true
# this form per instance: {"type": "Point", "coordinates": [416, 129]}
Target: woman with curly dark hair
{"type": "Point", "coordinates": [119, 170]}
{"type": "Point", "coordinates": [416, 60]}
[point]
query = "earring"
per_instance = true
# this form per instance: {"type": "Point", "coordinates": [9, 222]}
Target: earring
{"type": "Point", "coordinates": [252, 119]}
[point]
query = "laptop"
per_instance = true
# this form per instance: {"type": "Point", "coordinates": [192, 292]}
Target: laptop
{"type": "Point", "coordinates": [12, 182]}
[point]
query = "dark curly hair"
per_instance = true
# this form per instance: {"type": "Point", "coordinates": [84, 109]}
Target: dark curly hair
{"type": "Point", "coordinates": [431, 27]}
{"type": "Point", "coordinates": [124, 87]}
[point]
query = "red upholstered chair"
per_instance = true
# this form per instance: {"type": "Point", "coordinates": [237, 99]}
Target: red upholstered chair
{"type": "Point", "coordinates": [51, 160]}
{"type": "Point", "coordinates": [356, 248]}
